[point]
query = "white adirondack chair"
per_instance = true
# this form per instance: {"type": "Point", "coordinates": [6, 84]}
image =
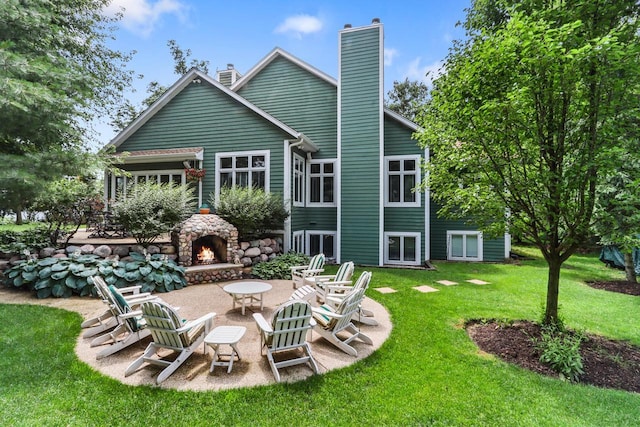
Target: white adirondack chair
{"type": "Point", "coordinates": [335, 323]}
{"type": "Point", "coordinates": [300, 272]}
{"type": "Point", "coordinates": [170, 333]}
{"type": "Point", "coordinates": [323, 283]}
{"type": "Point", "coordinates": [130, 326]}
{"type": "Point", "coordinates": [287, 331]}
{"type": "Point", "coordinates": [336, 294]}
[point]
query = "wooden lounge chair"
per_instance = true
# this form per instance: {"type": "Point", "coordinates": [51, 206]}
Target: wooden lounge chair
{"type": "Point", "coordinates": [335, 323]}
{"type": "Point", "coordinates": [323, 283]}
{"type": "Point", "coordinates": [336, 294]}
{"type": "Point", "coordinates": [300, 272]}
{"type": "Point", "coordinates": [170, 333]}
{"type": "Point", "coordinates": [287, 331]}
{"type": "Point", "coordinates": [130, 326]}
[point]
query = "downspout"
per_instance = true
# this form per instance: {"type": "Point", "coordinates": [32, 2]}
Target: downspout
{"type": "Point", "coordinates": [288, 149]}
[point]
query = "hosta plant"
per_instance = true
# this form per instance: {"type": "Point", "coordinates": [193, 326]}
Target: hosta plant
{"type": "Point", "coordinates": [64, 277]}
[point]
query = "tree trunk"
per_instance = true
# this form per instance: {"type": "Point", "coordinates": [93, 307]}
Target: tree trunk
{"type": "Point", "coordinates": [553, 287]}
{"type": "Point", "coordinates": [630, 268]}
{"type": "Point", "coordinates": [18, 215]}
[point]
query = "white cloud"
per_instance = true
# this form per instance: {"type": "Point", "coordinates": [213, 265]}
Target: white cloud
{"type": "Point", "coordinates": [389, 55]}
{"type": "Point", "coordinates": [424, 73]}
{"type": "Point", "coordinates": [299, 25]}
{"type": "Point", "coordinates": [142, 16]}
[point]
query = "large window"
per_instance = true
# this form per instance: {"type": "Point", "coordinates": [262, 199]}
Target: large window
{"type": "Point", "coordinates": [321, 242]}
{"type": "Point", "coordinates": [298, 180]}
{"type": "Point", "coordinates": [402, 248]}
{"type": "Point", "coordinates": [243, 169]}
{"type": "Point", "coordinates": [464, 245]}
{"type": "Point", "coordinates": [119, 185]}
{"type": "Point", "coordinates": [321, 183]}
{"type": "Point", "coordinates": [402, 175]}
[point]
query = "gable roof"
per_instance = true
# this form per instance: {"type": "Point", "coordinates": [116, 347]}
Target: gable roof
{"type": "Point", "coordinates": [278, 52]}
{"type": "Point", "coordinates": [196, 76]}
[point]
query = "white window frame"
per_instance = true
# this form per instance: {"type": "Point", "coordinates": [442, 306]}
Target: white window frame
{"type": "Point", "coordinates": [249, 169]}
{"type": "Point", "coordinates": [322, 175]}
{"type": "Point", "coordinates": [134, 175]}
{"type": "Point", "coordinates": [416, 173]}
{"type": "Point", "coordinates": [418, 255]}
{"type": "Point", "coordinates": [464, 233]}
{"type": "Point", "coordinates": [298, 180]}
{"type": "Point", "coordinates": [321, 233]}
{"type": "Point", "coordinates": [297, 243]}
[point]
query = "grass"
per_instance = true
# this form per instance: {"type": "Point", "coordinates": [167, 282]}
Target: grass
{"type": "Point", "coordinates": [427, 373]}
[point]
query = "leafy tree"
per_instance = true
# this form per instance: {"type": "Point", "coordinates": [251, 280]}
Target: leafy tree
{"type": "Point", "coordinates": [527, 117]}
{"type": "Point", "coordinates": [617, 210]}
{"type": "Point", "coordinates": [151, 209]}
{"type": "Point", "coordinates": [64, 203]}
{"type": "Point", "coordinates": [252, 211]}
{"type": "Point", "coordinates": [407, 97]}
{"type": "Point", "coordinates": [57, 72]}
{"type": "Point", "coordinates": [128, 112]}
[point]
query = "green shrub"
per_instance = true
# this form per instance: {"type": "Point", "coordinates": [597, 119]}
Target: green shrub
{"type": "Point", "coordinates": [251, 210]}
{"type": "Point", "coordinates": [64, 277]}
{"type": "Point", "coordinates": [151, 209]}
{"type": "Point", "coordinates": [560, 350]}
{"type": "Point", "coordinates": [279, 267]}
{"type": "Point", "coordinates": [31, 240]}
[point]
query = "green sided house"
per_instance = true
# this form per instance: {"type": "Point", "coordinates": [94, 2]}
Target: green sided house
{"type": "Point", "coordinates": [344, 164]}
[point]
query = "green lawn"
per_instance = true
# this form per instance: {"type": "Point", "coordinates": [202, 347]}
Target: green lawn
{"type": "Point", "coordinates": [427, 373]}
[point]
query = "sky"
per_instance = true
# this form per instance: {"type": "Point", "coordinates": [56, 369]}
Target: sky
{"type": "Point", "coordinates": [417, 35]}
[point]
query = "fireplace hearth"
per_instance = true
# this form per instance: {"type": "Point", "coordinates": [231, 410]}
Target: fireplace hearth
{"type": "Point", "coordinates": [219, 237]}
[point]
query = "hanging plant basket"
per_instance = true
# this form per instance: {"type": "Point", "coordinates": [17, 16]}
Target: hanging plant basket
{"type": "Point", "coordinates": [194, 174]}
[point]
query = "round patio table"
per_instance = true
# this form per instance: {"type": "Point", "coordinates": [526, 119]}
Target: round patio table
{"type": "Point", "coordinates": [243, 292]}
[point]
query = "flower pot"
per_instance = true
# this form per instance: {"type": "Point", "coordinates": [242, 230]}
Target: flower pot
{"type": "Point", "coordinates": [204, 211]}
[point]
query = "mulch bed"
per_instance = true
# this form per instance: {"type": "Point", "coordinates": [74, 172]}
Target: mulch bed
{"type": "Point", "coordinates": [606, 363]}
{"type": "Point", "coordinates": [621, 286]}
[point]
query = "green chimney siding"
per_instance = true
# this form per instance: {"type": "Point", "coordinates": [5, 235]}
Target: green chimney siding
{"type": "Point", "coordinates": [203, 116]}
{"type": "Point", "coordinates": [360, 149]}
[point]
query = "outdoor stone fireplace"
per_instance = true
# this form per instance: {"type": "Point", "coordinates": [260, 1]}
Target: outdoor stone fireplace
{"type": "Point", "coordinates": [204, 240]}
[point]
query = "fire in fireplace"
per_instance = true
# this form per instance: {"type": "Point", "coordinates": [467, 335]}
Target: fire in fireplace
{"type": "Point", "coordinates": [209, 250]}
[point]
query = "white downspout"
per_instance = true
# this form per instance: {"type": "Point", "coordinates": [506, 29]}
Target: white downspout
{"type": "Point", "coordinates": [286, 191]}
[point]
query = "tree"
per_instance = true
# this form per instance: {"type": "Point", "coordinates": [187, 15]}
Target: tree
{"type": "Point", "coordinates": [407, 97]}
{"type": "Point", "coordinates": [56, 73]}
{"type": "Point", "coordinates": [617, 213]}
{"type": "Point", "coordinates": [127, 112]}
{"type": "Point", "coordinates": [528, 116]}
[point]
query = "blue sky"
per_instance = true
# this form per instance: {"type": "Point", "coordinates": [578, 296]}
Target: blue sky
{"type": "Point", "coordinates": [418, 34]}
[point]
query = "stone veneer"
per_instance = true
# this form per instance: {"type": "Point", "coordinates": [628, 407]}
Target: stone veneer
{"type": "Point", "coordinates": [199, 225]}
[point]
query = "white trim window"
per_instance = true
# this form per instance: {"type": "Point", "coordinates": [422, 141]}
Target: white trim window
{"type": "Point", "coordinates": [298, 242]}
{"type": "Point", "coordinates": [120, 184]}
{"type": "Point", "coordinates": [402, 248]}
{"type": "Point", "coordinates": [242, 169]}
{"type": "Point", "coordinates": [321, 183]}
{"type": "Point", "coordinates": [402, 175]}
{"type": "Point", "coordinates": [464, 245]}
{"type": "Point", "coordinates": [321, 242]}
{"type": "Point", "coordinates": [298, 180]}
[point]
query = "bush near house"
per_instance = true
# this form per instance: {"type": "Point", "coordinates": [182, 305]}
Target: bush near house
{"type": "Point", "coordinates": [150, 209]}
{"type": "Point", "coordinates": [251, 210]}
{"type": "Point", "coordinates": [279, 267]}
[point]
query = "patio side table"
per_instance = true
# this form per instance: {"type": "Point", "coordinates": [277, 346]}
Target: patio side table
{"type": "Point", "coordinates": [224, 335]}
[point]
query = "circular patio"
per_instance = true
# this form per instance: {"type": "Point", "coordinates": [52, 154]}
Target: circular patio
{"type": "Point", "coordinates": [195, 301]}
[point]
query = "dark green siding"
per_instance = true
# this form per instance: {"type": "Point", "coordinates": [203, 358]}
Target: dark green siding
{"type": "Point", "coordinates": [298, 98]}
{"type": "Point", "coordinates": [203, 116]}
{"type": "Point", "coordinates": [492, 249]}
{"type": "Point", "coordinates": [360, 144]}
